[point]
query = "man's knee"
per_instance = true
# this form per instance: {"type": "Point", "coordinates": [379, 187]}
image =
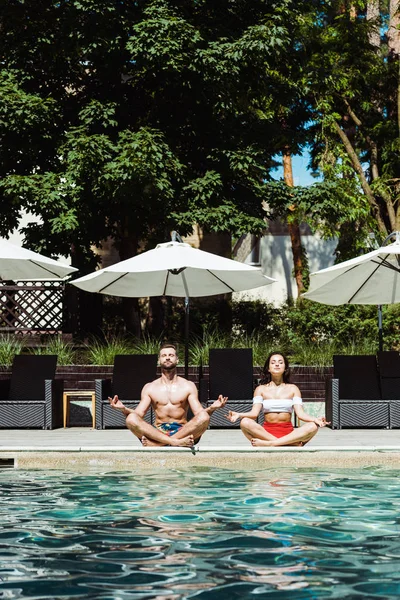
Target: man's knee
{"type": "Point", "coordinates": [203, 418]}
{"type": "Point", "coordinates": [133, 420]}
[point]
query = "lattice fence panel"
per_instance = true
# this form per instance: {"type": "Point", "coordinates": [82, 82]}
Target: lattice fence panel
{"type": "Point", "coordinates": [32, 306]}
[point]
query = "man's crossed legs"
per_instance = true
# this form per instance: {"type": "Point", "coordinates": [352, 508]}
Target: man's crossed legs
{"type": "Point", "coordinates": [186, 436]}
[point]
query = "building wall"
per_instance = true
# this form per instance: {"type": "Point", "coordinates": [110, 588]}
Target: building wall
{"type": "Point", "coordinates": [276, 261]}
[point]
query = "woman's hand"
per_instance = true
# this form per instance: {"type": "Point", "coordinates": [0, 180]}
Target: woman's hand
{"type": "Point", "coordinates": [233, 416]}
{"type": "Point", "coordinates": [321, 422]}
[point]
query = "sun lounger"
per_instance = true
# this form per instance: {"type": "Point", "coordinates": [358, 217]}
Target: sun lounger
{"type": "Point", "coordinates": [389, 373]}
{"type": "Point", "coordinates": [230, 374]}
{"type": "Point", "coordinates": [32, 397]}
{"type": "Point", "coordinates": [130, 373]}
{"type": "Point", "coordinates": [353, 396]}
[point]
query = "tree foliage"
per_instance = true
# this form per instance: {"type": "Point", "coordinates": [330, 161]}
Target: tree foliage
{"type": "Point", "coordinates": [352, 79]}
{"type": "Point", "coordinates": [129, 119]}
{"type": "Point", "coordinates": [138, 117]}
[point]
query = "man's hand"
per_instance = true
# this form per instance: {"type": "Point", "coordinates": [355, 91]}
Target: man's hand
{"type": "Point", "coordinates": [233, 416]}
{"type": "Point", "coordinates": [117, 404]}
{"type": "Point", "coordinates": [220, 402]}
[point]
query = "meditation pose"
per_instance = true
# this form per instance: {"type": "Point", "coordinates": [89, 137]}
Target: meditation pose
{"type": "Point", "coordinates": [170, 397]}
{"type": "Point", "coordinates": [277, 398]}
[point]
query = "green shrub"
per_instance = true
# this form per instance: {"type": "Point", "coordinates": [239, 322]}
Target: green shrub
{"type": "Point", "coordinates": [148, 345]}
{"type": "Point", "coordinates": [293, 325]}
{"type": "Point", "coordinates": [10, 345]}
{"type": "Point", "coordinates": [57, 345]}
{"type": "Point", "coordinates": [199, 347]}
{"type": "Point", "coordinates": [99, 352]}
{"type": "Point", "coordinates": [256, 317]}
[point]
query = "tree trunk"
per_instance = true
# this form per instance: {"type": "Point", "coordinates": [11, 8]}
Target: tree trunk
{"type": "Point", "coordinates": [393, 32]}
{"type": "Point", "coordinates": [294, 227]}
{"type": "Point", "coordinates": [130, 306]}
{"type": "Point", "coordinates": [221, 244]}
{"type": "Point", "coordinates": [156, 322]}
{"type": "Point", "coordinates": [373, 16]}
{"type": "Point", "coordinates": [394, 46]}
{"type": "Point", "coordinates": [83, 311]}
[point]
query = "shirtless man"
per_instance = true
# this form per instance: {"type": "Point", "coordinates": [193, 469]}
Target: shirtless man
{"type": "Point", "coordinates": [171, 397]}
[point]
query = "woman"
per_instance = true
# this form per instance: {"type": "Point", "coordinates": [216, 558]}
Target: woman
{"type": "Point", "coordinates": [278, 398]}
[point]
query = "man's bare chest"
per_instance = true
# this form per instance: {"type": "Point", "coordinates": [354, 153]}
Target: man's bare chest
{"type": "Point", "coordinates": [169, 394]}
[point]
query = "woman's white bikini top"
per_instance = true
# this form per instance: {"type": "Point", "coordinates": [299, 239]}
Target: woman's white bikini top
{"type": "Point", "coordinates": [276, 405]}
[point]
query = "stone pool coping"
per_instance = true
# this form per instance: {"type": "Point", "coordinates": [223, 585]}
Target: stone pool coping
{"type": "Point", "coordinates": [167, 459]}
{"type": "Point", "coordinates": [82, 448]}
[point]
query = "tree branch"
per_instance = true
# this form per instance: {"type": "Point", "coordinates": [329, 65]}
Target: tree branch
{"type": "Point", "coordinates": [374, 167]}
{"type": "Point", "coordinates": [364, 183]}
{"type": "Point", "coordinates": [372, 144]}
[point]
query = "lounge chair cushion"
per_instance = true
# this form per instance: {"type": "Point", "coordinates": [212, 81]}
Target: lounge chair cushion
{"type": "Point", "coordinates": [358, 377]}
{"type": "Point", "coordinates": [28, 375]}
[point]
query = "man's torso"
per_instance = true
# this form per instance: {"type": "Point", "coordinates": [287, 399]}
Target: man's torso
{"type": "Point", "coordinates": [170, 400]}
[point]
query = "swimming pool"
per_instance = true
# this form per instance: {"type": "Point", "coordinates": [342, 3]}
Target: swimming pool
{"type": "Point", "coordinates": [204, 533]}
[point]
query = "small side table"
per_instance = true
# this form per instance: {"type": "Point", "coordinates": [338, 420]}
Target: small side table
{"type": "Point", "coordinates": [67, 396]}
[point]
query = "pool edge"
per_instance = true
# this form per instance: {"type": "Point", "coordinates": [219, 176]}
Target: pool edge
{"type": "Point", "coordinates": [252, 458]}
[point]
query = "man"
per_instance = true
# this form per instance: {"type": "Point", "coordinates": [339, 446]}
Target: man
{"type": "Point", "coordinates": [171, 397]}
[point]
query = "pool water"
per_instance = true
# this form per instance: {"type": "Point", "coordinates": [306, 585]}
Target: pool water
{"type": "Point", "coordinates": [204, 533]}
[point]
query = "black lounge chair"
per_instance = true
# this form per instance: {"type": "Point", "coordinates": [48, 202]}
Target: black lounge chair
{"type": "Point", "coordinates": [353, 396]}
{"type": "Point", "coordinates": [389, 373]}
{"type": "Point", "coordinates": [32, 397]}
{"type": "Point", "coordinates": [230, 374]}
{"type": "Point", "coordinates": [130, 373]}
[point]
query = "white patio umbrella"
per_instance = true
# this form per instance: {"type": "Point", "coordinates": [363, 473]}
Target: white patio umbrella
{"type": "Point", "coordinates": [174, 269]}
{"type": "Point", "coordinates": [373, 278]}
{"type": "Point", "coordinates": [19, 263]}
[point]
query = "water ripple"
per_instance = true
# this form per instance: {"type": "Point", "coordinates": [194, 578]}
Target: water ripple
{"type": "Point", "coordinates": [203, 533]}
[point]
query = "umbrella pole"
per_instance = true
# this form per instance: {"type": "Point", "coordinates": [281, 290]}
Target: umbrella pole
{"type": "Point", "coordinates": [380, 327]}
{"type": "Point", "coordinates": [186, 337]}
{"type": "Point", "coordinates": [175, 237]}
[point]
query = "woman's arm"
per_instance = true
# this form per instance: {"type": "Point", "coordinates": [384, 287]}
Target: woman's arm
{"type": "Point", "coordinates": [301, 413]}
{"type": "Point", "coordinates": [303, 416]}
{"type": "Point", "coordinates": [233, 416]}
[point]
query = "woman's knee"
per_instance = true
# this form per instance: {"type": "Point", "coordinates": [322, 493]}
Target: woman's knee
{"type": "Point", "coordinates": [312, 427]}
{"type": "Point", "coordinates": [245, 423]}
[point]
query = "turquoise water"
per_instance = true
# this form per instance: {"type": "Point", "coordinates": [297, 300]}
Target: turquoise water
{"type": "Point", "coordinates": [209, 534]}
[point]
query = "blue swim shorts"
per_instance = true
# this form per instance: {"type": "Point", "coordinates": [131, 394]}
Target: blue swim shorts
{"type": "Point", "coordinates": [169, 428]}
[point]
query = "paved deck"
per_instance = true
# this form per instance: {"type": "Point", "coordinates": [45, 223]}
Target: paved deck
{"type": "Point", "coordinates": [81, 447]}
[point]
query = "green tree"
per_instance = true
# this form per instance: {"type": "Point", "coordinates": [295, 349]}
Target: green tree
{"type": "Point", "coordinates": [354, 89]}
{"type": "Point", "coordinates": [349, 79]}
{"type": "Point", "coordinates": [138, 118]}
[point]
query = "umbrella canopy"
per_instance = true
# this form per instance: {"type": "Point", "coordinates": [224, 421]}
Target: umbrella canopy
{"type": "Point", "coordinates": [174, 269]}
{"type": "Point", "coordinates": [20, 263]}
{"type": "Point", "coordinates": [373, 278]}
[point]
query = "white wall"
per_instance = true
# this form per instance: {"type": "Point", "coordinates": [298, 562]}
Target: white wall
{"type": "Point", "coordinates": [277, 262]}
{"type": "Point", "coordinates": [16, 236]}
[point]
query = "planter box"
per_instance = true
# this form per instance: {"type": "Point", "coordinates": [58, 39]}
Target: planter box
{"type": "Point", "coordinates": [310, 380]}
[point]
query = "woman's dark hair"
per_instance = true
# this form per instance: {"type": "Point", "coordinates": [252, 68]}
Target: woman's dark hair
{"type": "Point", "coordinates": [266, 375]}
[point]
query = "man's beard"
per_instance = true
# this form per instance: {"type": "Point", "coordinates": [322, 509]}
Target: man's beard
{"type": "Point", "coordinates": [169, 367]}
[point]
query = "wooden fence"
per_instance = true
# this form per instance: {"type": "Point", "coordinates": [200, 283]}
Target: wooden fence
{"type": "Point", "coordinates": [31, 306]}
